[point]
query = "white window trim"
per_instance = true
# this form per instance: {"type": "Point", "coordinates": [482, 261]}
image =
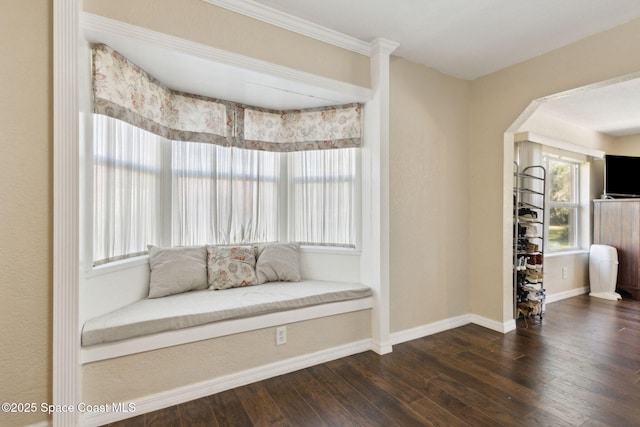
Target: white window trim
{"type": "Point", "coordinates": [576, 204]}
{"type": "Point", "coordinates": [166, 179]}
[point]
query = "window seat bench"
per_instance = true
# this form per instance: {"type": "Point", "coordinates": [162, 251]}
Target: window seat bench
{"type": "Point", "coordinates": [183, 315]}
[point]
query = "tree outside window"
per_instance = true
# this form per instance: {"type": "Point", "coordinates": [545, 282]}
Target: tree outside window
{"type": "Point", "coordinates": [563, 204]}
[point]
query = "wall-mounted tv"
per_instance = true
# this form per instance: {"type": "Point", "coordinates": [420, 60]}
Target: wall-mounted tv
{"type": "Point", "coordinates": [621, 176]}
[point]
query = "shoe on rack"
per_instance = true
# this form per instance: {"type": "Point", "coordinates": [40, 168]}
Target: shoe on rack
{"type": "Point", "coordinates": [522, 263]}
{"type": "Point", "coordinates": [521, 245]}
{"type": "Point", "coordinates": [534, 296]}
{"type": "Point", "coordinates": [531, 261]}
{"type": "Point", "coordinates": [531, 230]}
{"type": "Point", "coordinates": [532, 276]}
{"type": "Point", "coordinates": [526, 214]}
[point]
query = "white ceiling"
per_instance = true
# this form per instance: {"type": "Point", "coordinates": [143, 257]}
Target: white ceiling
{"type": "Point", "coordinates": [465, 38]}
{"type": "Point", "coordinates": [473, 38]}
{"type": "Point", "coordinates": [612, 109]}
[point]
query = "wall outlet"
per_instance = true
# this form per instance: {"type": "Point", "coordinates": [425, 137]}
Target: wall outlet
{"type": "Point", "coordinates": [565, 272]}
{"type": "Point", "coordinates": [281, 335]}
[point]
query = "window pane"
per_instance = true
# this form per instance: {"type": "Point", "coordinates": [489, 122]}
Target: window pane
{"type": "Point", "coordinates": [561, 179]}
{"type": "Point", "coordinates": [127, 212]}
{"type": "Point", "coordinates": [223, 195]}
{"type": "Point", "coordinates": [561, 227]}
{"type": "Point", "coordinates": [322, 185]}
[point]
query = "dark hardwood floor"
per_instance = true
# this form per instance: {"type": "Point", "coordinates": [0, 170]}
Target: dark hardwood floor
{"type": "Point", "coordinates": [579, 366]}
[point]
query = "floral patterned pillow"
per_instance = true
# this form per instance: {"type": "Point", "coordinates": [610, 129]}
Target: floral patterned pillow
{"type": "Point", "coordinates": [231, 267]}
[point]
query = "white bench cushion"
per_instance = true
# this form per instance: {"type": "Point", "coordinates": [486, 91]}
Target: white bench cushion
{"type": "Point", "coordinates": [149, 316]}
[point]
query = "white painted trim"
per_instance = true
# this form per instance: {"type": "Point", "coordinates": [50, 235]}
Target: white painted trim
{"type": "Point", "coordinates": [570, 253]}
{"type": "Point", "coordinates": [227, 382]}
{"type": "Point", "coordinates": [383, 47]}
{"type": "Point", "coordinates": [116, 266]}
{"type": "Point", "coordinates": [375, 196]}
{"type": "Point", "coordinates": [292, 23]}
{"type": "Point", "coordinates": [66, 206]}
{"type": "Point", "coordinates": [41, 424]}
{"type": "Point", "coordinates": [95, 24]}
{"type": "Point", "coordinates": [451, 323]}
{"type": "Point", "coordinates": [494, 325]}
{"type": "Point", "coordinates": [557, 296]}
{"type": "Point", "coordinates": [556, 143]}
{"type": "Point", "coordinates": [219, 329]}
{"type": "Point", "coordinates": [430, 329]}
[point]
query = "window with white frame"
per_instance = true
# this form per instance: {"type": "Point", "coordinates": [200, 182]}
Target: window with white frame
{"type": "Point", "coordinates": [127, 190]}
{"type": "Point", "coordinates": [223, 195]}
{"type": "Point", "coordinates": [563, 203]}
{"type": "Point", "coordinates": [322, 185]}
{"type": "Point", "coordinates": [173, 168]}
{"type": "Point", "coordinates": [218, 195]}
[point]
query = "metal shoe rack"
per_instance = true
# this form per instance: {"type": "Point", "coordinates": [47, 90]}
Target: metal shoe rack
{"type": "Point", "coordinates": [528, 241]}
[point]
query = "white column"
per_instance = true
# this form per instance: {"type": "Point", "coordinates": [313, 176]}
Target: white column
{"type": "Point", "coordinates": [66, 340]}
{"type": "Point", "coordinates": [375, 204]}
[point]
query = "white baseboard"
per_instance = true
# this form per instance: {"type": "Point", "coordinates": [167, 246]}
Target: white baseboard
{"type": "Point", "coordinates": [217, 385]}
{"type": "Point", "coordinates": [451, 323]}
{"type": "Point", "coordinates": [382, 347]}
{"type": "Point", "coordinates": [557, 296]}
{"type": "Point", "coordinates": [504, 327]}
{"type": "Point", "coordinates": [430, 329]}
{"type": "Point", "coordinates": [41, 424]}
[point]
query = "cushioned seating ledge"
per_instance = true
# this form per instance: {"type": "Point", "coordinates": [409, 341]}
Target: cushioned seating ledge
{"type": "Point", "coordinates": [149, 316]}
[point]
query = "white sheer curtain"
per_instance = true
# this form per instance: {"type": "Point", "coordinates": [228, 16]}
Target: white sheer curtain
{"type": "Point", "coordinates": [222, 188]}
{"type": "Point", "coordinates": [127, 210]}
{"type": "Point", "coordinates": [223, 195]}
{"type": "Point", "coordinates": [322, 192]}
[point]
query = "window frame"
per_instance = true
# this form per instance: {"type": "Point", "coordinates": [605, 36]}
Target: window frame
{"type": "Point", "coordinates": [355, 205]}
{"type": "Point", "coordinates": [574, 206]}
{"type": "Point", "coordinates": [165, 237]}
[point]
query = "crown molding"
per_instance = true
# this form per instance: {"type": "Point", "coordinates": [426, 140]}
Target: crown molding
{"type": "Point", "coordinates": [292, 23]}
{"type": "Point", "coordinates": [383, 46]}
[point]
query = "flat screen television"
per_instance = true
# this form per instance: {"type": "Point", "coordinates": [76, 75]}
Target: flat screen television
{"type": "Point", "coordinates": [621, 176]}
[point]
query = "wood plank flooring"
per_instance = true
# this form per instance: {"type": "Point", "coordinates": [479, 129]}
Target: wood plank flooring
{"type": "Point", "coordinates": [579, 366]}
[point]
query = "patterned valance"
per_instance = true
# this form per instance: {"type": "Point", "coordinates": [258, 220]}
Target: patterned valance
{"type": "Point", "coordinates": [126, 92]}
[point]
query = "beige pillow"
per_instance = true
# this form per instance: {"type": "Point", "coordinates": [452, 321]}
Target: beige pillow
{"type": "Point", "coordinates": [231, 266]}
{"type": "Point", "coordinates": [278, 262]}
{"type": "Point", "coordinates": [176, 270]}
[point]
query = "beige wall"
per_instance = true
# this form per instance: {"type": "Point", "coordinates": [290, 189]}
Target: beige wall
{"type": "Point", "coordinates": [543, 123]}
{"type": "Point", "coordinates": [204, 23]}
{"type": "Point", "coordinates": [429, 196]}
{"type": "Point", "coordinates": [141, 375]}
{"type": "Point", "coordinates": [25, 206]}
{"type": "Point", "coordinates": [626, 146]}
{"type": "Point", "coordinates": [496, 101]}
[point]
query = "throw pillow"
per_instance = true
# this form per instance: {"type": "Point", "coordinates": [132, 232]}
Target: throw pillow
{"type": "Point", "coordinates": [278, 262]}
{"type": "Point", "coordinates": [231, 266]}
{"type": "Point", "coordinates": [176, 270]}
